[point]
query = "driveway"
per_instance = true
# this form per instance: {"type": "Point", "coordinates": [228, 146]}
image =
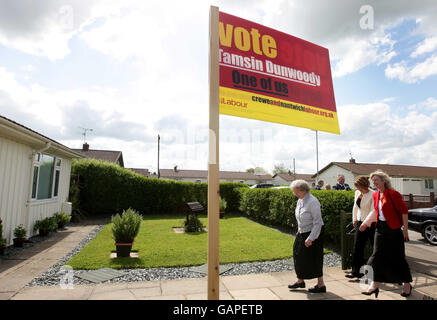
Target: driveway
{"type": "Point", "coordinates": [421, 256]}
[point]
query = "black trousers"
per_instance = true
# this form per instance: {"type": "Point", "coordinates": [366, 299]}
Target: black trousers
{"type": "Point", "coordinates": [360, 241]}
{"type": "Point", "coordinates": [308, 262]}
{"type": "Point", "coordinates": [388, 258]}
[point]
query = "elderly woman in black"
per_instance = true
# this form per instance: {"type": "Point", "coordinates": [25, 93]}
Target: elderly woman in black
{"type": "Point", "coordinates": [308, 245]}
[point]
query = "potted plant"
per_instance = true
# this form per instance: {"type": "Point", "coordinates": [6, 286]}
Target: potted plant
{"type": "Point", "coordinates": [124, 230]}
{"type": "Point", "coordinates": [2, 240]}
{"type": "Point", "coordinates": [45, 226]}
{"type": "Point", "coordinates": [20, 236]}
{"type": "Point", "coordinates": [222, 205]}
{"type": "Point", "coordinates": [61, 219]}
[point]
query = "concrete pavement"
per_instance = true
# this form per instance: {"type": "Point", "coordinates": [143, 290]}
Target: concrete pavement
{"type": "Point", "coordinates": [22, 268]}
{"type": "Point", "coordinates": [270, 286]}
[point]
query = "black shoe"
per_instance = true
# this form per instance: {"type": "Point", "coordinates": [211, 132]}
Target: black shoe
{"type": "Point", "coordinates": [404, 294]}
{"type": "Point", "coordinates": [296, 285]}
{"type": "Point", "coordinates": [369, 293]}
{"type": "Point", "coordinates": [317, 289]}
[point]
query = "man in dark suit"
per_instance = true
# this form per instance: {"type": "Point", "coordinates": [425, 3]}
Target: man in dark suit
{"type": "Point", "coordinates": [340, 184]}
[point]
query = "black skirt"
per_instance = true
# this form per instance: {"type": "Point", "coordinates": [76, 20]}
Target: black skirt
{"type": "Point", "coordinates": [388, 258]}
{"type": "Point", "coordinates": [308, 262]}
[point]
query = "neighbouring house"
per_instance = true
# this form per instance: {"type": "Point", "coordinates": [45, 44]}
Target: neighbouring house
{"type": "Point", "coordinates": [143, 172]}
{"type": "Point", "coordinates": [106, 155]}
{"type": "Point", "coordinates": [34, 177]}
{"type": "Point", "coordinates": [225, 176]}
{"type": "Point", "coordinates": [287, 178]}
{"type": "Point", "coordinates": [405, 179]}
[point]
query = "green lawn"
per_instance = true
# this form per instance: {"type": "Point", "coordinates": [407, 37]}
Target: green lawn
{"type": "Point", "coordinates": [241, 240]}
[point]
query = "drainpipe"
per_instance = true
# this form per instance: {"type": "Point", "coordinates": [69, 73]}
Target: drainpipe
{"type": "Point", "coordinates": [29, 197]}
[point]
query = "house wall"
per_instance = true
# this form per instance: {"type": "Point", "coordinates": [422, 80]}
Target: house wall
{"type": "Point", "coordinates": [14, 184]}
{"type": "Point", "coordinates": [15, 180]}
{"type": "Point", "coordinates": [279, 181]}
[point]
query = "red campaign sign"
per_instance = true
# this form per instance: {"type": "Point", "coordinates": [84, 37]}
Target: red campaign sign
{"type": "Point", "coordinates": [271, 63]}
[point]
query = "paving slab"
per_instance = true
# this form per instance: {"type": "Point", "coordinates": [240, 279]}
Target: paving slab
{"type": "Point", "coordinates": [254, 294]}
{"type": "Point", "coordinates": [170, 297]}
{"type": "Point", "coordinates": [204, 296]}
{"type": "Point", "coordinates": [124, 294]}
{"type": "Point", "coordinates": [6, 295]}
{"type": "Point", "coordinates": [100, 275]}
{"type": "Point", "coordinates": [186, 286]}
{"type": "Point", "coordinates": [250, 281]}
{"type": "Point", "coordinates": [54, 293]}
{"type": "Point", "coordinates": [427, 292]}
{"type": "Point", "coordinates": [285, 277]}
{"type": "Point", "coordinates": [145, 292]}
{"type": "Point", "coordinates": [143, 284]}
{"type": "Point", "coordinates": [301, 294]}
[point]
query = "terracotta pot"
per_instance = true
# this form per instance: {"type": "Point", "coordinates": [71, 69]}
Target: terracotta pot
{"type": "Point", "coordinates": [123, 249]}
{"type": "Point", "coordinates": [19, 242]}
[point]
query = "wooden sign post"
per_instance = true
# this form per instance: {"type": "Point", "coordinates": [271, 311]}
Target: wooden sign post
{"type": "Point", "coordinates": [260, 73]}
{"type": "Point", "coordinates": [213, 158]}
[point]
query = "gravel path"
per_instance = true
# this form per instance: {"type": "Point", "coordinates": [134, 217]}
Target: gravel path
{"type": "Point", "coordinates": [53, 275]}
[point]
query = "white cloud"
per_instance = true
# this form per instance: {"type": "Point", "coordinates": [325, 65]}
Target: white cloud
{"type": "Point", "coordinates": [428, 45]}
{"type": "Point", "coordinates": [412, 74]}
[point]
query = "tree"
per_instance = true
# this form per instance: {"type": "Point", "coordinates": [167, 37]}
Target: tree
{"type": "Point", "coordinates": [250, 170]}
{"type": "Point", "coordinates": [280, 168]}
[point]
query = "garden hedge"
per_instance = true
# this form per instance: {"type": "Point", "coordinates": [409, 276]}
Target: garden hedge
{"type": "Point", "coordinates": [276, 207]}
{"type": "Point", "coordinates": [105, 187]}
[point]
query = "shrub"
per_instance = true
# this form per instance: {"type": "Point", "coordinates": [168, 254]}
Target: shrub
{"type": "Point", "coordinates": [126, 227]}
{"type": "Point", "coordinates": [61, 219]}
{"type": "Point", "coordinates": [107, 188]}
{"type": "Point", "coordinates": [193, 224]}
{"type": "Point", "coordinates": [222, 204]}
{"type": "Point", "coordinates": [20, 232]}
{"type": "Point", "coordinates": [2, 240]}
{"type": "Point", "coordinates": [47, 224]}
{"type": "Point", "coordinates": [277, 207]}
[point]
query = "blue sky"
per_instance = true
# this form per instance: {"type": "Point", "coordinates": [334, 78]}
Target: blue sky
{"type": "Point", "coordinates": [132, 70]}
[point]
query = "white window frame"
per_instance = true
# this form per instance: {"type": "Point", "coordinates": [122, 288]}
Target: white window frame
{"type": "Point", "coordinates": [56, 167]}
{"type": "Point", "coordinates": [428, 182]}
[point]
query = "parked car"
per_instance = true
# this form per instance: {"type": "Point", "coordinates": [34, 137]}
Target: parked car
{"type": "Point", "coordinates": [281, 187]}
{"type": "Point", "coordinates": [262, 185]}
{"type": "Point", "coordinates": [424, 221]}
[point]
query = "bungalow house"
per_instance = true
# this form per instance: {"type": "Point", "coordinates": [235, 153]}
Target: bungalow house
{"type": "Point", "coordinates": [405, 179]}
{"type": "Point", "coordinates": [106, 155]}
{"type": "Point", "coordinates": [143, 172]}
{"type": "Point", "coordinates": [225, 176]}
{"type": "Point", "coordinates": [34, 177]}
{"type": "Point", "coordinates": [287, 178]}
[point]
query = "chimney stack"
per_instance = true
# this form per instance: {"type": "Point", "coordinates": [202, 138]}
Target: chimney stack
{"type": "Point", "coordinates": [85, 147]}
{"type": "Point", "coordinates": [175, 168]}
{"type": "Point", "coordinates": [352, 160]}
